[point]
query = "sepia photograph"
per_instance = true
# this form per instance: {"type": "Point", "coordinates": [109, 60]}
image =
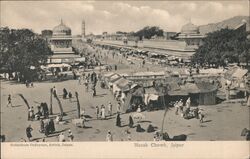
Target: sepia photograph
{"type": "Point", "coordinates": [124, 71]}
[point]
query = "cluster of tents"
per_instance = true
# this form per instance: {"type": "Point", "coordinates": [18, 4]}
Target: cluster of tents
{"type": "Point", "coordinates": [157, 95]}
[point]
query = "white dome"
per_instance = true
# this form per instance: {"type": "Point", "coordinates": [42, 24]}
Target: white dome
{"type": "Point", "coordinates": [190, 28]}
{"type": "Point", "coordinates": [61, 29]}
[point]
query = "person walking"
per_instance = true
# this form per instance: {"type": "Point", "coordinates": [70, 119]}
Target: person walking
{"type": "Point", "coordinates": [188, 103]}
{"type": "Point", "coordinates": [176, 105]}
{"type": "Point", "coordinates": [46, 129]}
{"type": "Point", "coordinates": [131, 122]}
{"type": "Point", "coordinates": [70, 96]}
{"type": "Point", "coordinates": [103, 112]}
{"type": "Point", "coordinates": [110, 108]}
{"type": "Point", "coordinates": [118, 120]}
{"type": "Point", "coordinates": [109, 136]}
{"type": "Point", "coordinates": [80, 80]}
{"type": "Point", "coordinates": [51, 126]}
{"type": "Point", "coordinates": [9, 101]}
{"type": "Point", "coordinates": [45, 110]}
{"type": "Point", "coordinates": [41, 126]}
{"type": "Point", "coordinates": [65, 93]}
{"type": "Point", "coordinates": [70, 136]}
{"type": "Point", "coordinates": [201, 115]}
{"type": "Point", "coordinates": [31, 114]}
{"type": "Point", "coordinates": [87, 84]}
{"type": "Point", "coordinates": [248, 99]}
{"type": "Point", "coordinates": [28, 132]}
{"type": "Point", "coordinates": [54, 91]}
{"type": "Point", "coordinates": [61, 137]}
{"type": "Point", "coordinates": [119, 108]}
{"type": "Point", "coordinates": [94, 91]}
{"type": "Point", "coordinates": [97, 111]}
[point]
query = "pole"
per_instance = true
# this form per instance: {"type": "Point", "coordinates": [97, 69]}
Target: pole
{"type": "Point", "coordinates": [78, 106]}
{"type": "Point", "coordinates": [60, 104]}
{"type": "Point", "coordinates": [166, 110]}
{"type": "Point", "coordinates": [165, 113]}
{"type": "Point", "coordinates": [50, 108]}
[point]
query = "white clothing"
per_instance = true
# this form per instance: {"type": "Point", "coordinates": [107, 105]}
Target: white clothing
{"type": "Point", "coordinates": [103, 112]}
{"type": "Point", "coordinates": [61, 138]}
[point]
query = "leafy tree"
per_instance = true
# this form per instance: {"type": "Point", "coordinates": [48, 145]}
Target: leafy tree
{"type": "Point", "coordinates": [20, 49]}
{"type": "Point", "coordinates": [148, 32]}
{"type": "Point", "coordinates": [222, 47]}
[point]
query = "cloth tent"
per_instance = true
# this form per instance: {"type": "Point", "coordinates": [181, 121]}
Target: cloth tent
{"type": "Point", "coordinates": [239, 73]}
{"type": "Point", "coordinates": [121, 84]}
{"type": "Point", "coordinates": [135, 96]}
{"type": "Point", "coordinates": [235, 73]}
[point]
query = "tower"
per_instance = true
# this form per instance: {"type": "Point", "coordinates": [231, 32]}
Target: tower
{"type": "Point", "coordinates": [83, 29]}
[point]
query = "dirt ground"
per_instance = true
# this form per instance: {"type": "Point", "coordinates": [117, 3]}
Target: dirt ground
{"type": "Point", "coordinates": [222, 121]}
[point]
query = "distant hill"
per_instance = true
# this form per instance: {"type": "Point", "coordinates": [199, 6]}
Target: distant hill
{"type": "Point", "coordinates": [230, 23]}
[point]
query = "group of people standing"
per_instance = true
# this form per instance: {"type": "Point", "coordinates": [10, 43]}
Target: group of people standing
{"type": "Point", "coordinates": [47, 126]}
{"type": "Point", "coordinates": [61, 137]}
{"type": "Point", "coordinates": [101, 112]}
{"type": "Point", "coordinates": [186, 111]}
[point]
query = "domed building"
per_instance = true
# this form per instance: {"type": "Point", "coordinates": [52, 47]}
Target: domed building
{"type": "Point", "coordinates": [61, 45]}
{"type": "Point", "coordinates": [191, 35]}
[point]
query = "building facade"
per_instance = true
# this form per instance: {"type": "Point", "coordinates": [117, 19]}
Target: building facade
{"type": "Point", "coordinates": [191, 35]}
{"type": "Point", "coordinates": [61, 45]}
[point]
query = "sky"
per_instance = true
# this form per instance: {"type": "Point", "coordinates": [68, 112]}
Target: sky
{"type": "Point", "coordinates": [112, 16]}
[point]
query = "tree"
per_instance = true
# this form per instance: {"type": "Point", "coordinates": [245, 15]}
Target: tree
{"type": "Point", "coordinates": [220, 47]}
{"type": "Point", "coordinates": [147, 32]}
{"type": "Point", "coordinates": [163, 89]}
{"type": "Point", "coordinates": [20, 49]}
{"type": "Point", "coordinates": [78, 106]}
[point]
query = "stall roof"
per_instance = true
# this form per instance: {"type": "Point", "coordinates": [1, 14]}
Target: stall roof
{"type": "Point", "coordinates": [122, 82]}
{"type": "Point", "coordinates": [206, 87]}
{"type": "Point", "coordinates": [239, 73]}
{"type": "Point", "coordinates": [161, 73]}
{"type": "Point", "coordinates": [191, 88]}
{"type": "Point", "coordinates": [151, 90]}
{"type": "Point", "coordinates": [211, 71]}
{"type": "Point", "coordinates": [114, 77]}
{"type": "Point", "coordinates": [178, 93]}
{"type": "Point", "coordinates": [109, 74]}
{"type": "Point", "coordinates": [58, 65]}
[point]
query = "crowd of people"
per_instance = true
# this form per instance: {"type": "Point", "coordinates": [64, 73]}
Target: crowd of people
{"type": "Point", "coordinates": [187, 112]}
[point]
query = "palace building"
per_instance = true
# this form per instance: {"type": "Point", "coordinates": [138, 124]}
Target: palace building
{"type": "Point", "coordinates": [191, 35]}
{"type": "Point", "coordinates": [61, 45]}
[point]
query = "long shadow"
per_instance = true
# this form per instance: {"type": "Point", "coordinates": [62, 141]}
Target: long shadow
{"type": "Point", "coordinates": [155, 127]}
{"type": "Point", "coordinates": [145, 121]}
{"type": "Point", "coordinates": [37, 102]}
{"type": "Point", "coordinates": [141, 131]}
{"type": "Point", "coordinates": [102, 94]}
{"type": "Point", "coordinates": [68, 120]}
{"type": "Point", "coordinates": [107, 118]}
{"type": "Point", "coordinates": [57, 132]}
{"type": "Point", "coordinates": [207, 121]}
{"type": "Point", "coordinates": [70, 111]}
{"type": "Point", "coordinates": [35, 139]}
{"type": "Point", "coordinates": [97, 131]}
{"type": "Point", "coordinates": [87, 127]}
{"type": "Point", "coordinates": [92, 107]}
{"type": "Point", "coordinates": [88, 116]}
{"type": "Point", "coordinates": [17, 106]}
{"type": "Point", "coordinates": [98, 96]}
{"type": "Point", "coordinates": [124, 125]}
{"type": "Point", "coordinates": [191, 134]}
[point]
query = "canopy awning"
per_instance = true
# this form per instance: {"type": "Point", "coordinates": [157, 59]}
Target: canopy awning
{"type": "Point", "coordinates": [58, 65]}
